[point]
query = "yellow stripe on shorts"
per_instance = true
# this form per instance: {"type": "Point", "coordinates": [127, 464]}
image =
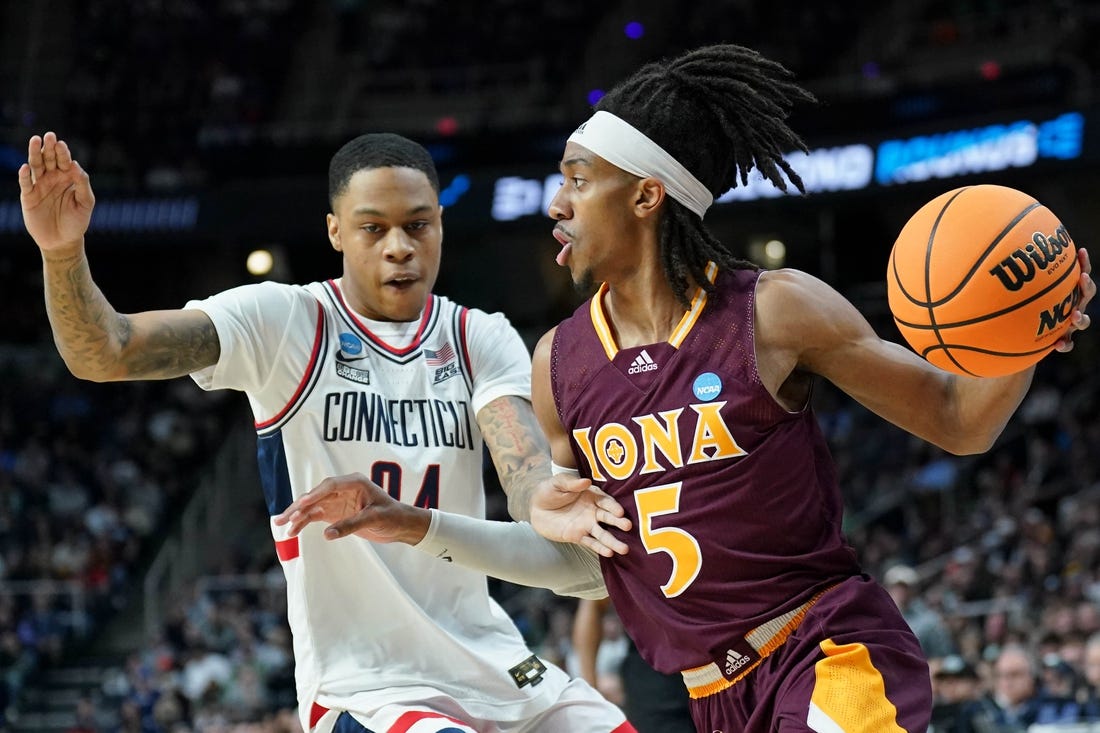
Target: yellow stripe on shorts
{"type": "Point", "coordinates": [849, 694]}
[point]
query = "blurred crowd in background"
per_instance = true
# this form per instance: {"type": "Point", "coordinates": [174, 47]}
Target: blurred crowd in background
{"type": "Point", "coordinates": [994, 559]}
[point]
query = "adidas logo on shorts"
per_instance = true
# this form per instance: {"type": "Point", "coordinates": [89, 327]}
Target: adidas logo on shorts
{"type": "Point", "coordinates": [643, 362]}
{"type": "Point", "coordinates": [734, 661]}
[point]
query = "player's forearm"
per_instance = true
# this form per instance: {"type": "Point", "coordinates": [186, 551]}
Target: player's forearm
{"type": "Point", "coordinates": [89, 333]}
{"type": "Point", "coordinates": [103, 345]}
{"type": "Point", "coordinates": [514, 552]}
{"type": "Point", "coordinates": [520, 452]}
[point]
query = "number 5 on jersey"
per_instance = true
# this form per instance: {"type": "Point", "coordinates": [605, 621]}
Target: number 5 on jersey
{"type": "Point", "coordinates": [687, 558]}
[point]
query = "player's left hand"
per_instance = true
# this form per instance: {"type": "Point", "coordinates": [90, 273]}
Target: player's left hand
{"type": "Point", "coordinates": [566, 509]}
{"type": "Point", "coordinates": [353, 504]}
{"type": "Point", "coordinates": [1080, 320]}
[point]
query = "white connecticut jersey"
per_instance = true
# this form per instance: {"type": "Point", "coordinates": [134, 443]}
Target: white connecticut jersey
{"type": "Point", "coordinates": [379, 623]}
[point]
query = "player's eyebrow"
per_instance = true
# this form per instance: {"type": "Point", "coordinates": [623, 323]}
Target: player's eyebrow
{"type": "Point", "coordinates": [367, 210]}
{"type": "Point", "coordinates": [576, 160]}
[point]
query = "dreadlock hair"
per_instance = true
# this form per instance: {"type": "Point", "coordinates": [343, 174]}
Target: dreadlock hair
{"type": "Point", "coordinates": [720, 111]}
{"type": "Point", "coordinates": [377, 150]}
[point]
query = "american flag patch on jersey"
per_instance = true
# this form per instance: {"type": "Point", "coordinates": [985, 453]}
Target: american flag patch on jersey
{"type": "Point", "coordinates": [438, 358]}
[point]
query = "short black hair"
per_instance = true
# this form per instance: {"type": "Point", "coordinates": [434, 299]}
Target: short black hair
{"type": "Point", "coordinates": [377, 150]}
{"type": "Point", "coordinates": [720, 111]}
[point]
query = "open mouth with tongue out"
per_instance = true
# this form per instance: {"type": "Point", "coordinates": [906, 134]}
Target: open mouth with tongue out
{"type": "Point", "coordinates": [566, 246]}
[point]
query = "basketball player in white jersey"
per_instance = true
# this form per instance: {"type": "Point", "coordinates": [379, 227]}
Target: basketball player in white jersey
{"type": "Point", "coordinates": [368, 372]}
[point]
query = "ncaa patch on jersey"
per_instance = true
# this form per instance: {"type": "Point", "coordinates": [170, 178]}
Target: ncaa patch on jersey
{"type": "Point", "coordinates": [707, 386]}
{"type": "Point", "coordinates": [350, 346]}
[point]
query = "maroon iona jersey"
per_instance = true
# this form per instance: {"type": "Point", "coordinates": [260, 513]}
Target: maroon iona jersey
{"type": "Point", "coordinates": [734, 500]}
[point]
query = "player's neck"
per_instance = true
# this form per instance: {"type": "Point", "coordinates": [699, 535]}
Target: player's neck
{"type": "Point", "coordinates": [642, 310]}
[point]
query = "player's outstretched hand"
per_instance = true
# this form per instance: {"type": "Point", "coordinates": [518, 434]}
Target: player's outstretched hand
{"type": "Point", "coordinates": [566, 509]}
{"type": "Point", "coordinates": [1087, 287]}
{"type": "Point", "coordinates": [55, 193]}
{"type": "Point", "coordinates": [353, 504]}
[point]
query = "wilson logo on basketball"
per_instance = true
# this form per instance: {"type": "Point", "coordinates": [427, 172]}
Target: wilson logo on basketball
{"type": "Point", "coordinates": [1060, 313]}
{"type": "Point", "coordinates": [1020, 266]}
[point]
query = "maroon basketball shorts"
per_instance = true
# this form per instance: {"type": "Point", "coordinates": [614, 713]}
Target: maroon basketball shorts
{"type": "Point", "coordinates": [853, 665]}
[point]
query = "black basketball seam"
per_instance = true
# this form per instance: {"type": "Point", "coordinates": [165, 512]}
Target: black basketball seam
{"type": "Point", "coordinates": [928, 278]}
{"type": "Point", "coordinates": [961, 347]}
{"type": "Point", "coordinates": [995, 314]}
{"type": "Point", "coordinates": [947, 351]}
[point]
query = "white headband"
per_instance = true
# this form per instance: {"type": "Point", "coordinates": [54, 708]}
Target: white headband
{"type": "Point", "coordinates": [619, 143]}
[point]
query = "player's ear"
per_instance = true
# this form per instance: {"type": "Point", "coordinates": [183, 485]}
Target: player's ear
{"type": "Point", "coordinates": [648, 197]}
{"type": "Point", "coordinates": [333, 226]}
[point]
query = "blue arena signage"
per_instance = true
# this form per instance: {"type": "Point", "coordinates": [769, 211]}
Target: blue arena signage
{"type": "Point", "coordinates": [848, 166]}
{"type": "Point", "coordinates": [860, 165]}
{"type": "Point", "coordinates": [1017, 144]}
{"type": "Point", "coordinates": [136, 215]}
{"type": "Point", "coordinates": [845, 168]}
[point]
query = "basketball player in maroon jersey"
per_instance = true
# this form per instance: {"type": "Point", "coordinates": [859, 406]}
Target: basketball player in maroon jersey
{"type": "Point", "coordinates": [681, 390]}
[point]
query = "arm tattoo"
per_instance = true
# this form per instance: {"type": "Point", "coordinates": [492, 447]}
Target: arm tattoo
{"type": "Point", "coordinates": [175, 349]}
{"type": "Point", "coordinates": [96, 342]}
{"type": "Point", "coordinates": [82, 320]}
{"type": "Point", "coordinates": [520, 451]}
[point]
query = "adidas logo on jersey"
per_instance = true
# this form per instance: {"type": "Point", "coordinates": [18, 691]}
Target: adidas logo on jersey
{"type": "Point", "coordinates": [643, 362]}
{"type": "Point", "coordinates": [734, 661]}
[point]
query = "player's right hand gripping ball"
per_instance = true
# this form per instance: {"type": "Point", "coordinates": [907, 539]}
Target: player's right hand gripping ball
{"type": "Point", "coordinates": [982, 281]}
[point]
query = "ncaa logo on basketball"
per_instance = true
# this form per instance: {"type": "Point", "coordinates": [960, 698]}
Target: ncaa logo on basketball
{"type": "Point", "coordinates": [707, 386]}
{"type": "Point", "coordinates": [1049, 320]}
{"type": "Point", "coordinates": [1041, 253]}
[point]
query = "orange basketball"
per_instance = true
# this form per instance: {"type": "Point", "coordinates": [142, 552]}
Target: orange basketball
{"type": "Point", "coordinates": [983, 280]}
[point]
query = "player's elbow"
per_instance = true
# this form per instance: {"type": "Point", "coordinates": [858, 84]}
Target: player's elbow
{"type": "Point", "coordinates": [86, 369]}
{"type": "Point", "coordinates": [968, 440]}
{"type": "Point", "coordinates": [965, 427]}
{"type": "Point", "coordinates": [94, 376]}
{"type": "Point", "coordinates": [965, 448]}
{"type": "Point", "coordinates": [101, 378]}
